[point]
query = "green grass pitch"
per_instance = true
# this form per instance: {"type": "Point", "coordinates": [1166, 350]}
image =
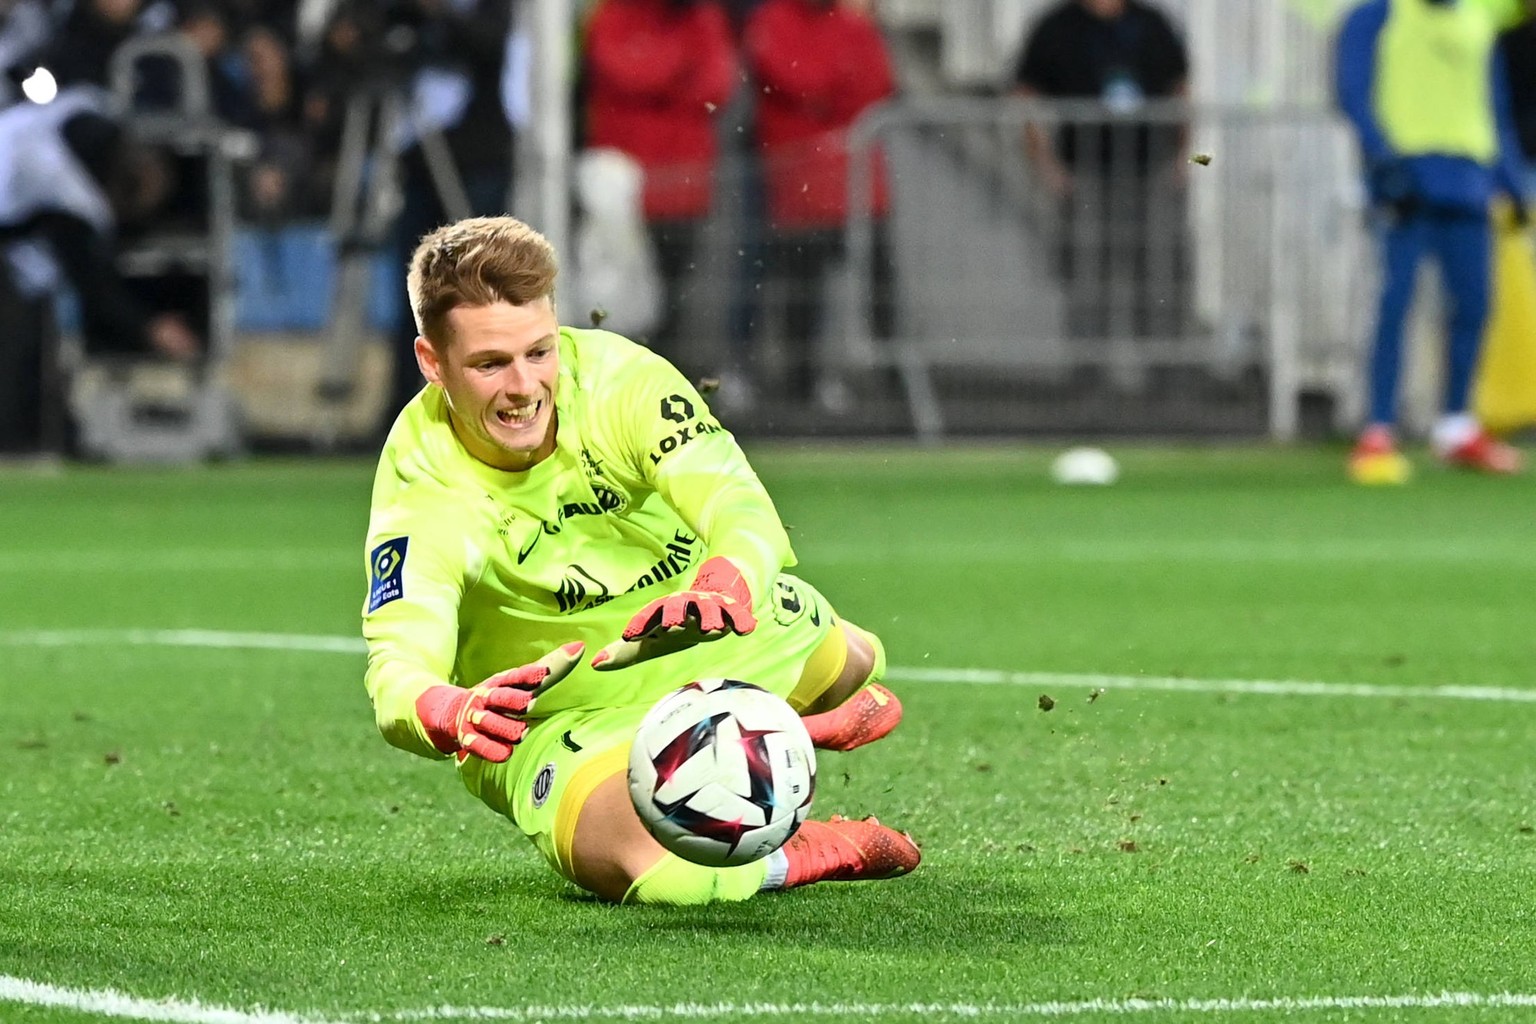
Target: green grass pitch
{"type": "Point", "coordinates": [199, 823]}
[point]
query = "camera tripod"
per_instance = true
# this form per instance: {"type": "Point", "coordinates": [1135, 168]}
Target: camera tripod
{"type": "Point", "coordinates": [365, 202]}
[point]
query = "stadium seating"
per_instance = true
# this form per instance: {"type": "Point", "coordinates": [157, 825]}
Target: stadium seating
{"type": "Point", "coordinates": [286, 280]}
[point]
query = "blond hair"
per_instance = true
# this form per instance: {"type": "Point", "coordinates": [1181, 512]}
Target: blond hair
{"type": "Point", "coordinates": [477, 262]}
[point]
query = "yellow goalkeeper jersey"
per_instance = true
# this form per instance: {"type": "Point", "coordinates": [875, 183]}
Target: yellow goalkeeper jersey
{"type": "Point", "coordinates": [472, 569]}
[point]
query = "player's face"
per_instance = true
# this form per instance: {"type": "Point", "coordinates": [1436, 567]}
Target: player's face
{"type": "Point", "coordinates": [499, 367]}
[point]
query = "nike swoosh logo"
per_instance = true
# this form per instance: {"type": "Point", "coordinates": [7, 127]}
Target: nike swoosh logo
{"type": "Point", "coordinates": [528, 545]}
{"type": "Point", "coordinates": [569, 743]}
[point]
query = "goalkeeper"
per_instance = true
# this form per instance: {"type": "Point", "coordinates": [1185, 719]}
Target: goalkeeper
{"type": "Point", "coordinates": [560, 534]}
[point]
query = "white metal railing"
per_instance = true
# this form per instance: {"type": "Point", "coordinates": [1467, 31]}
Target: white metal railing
{"type": "Point", "coordinates": [1251, 263]}
{"type": "Point", "coordinates": [1264, 52]}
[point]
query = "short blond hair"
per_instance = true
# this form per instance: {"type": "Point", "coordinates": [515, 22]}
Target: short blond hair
{"type": "Point", "coordinates": [477, 262]}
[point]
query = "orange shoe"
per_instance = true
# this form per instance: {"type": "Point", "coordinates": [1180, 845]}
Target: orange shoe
{"type": "Point", "coordinates": [1484, 454]}
{"type": "Point", "coordinates": [863, 718]}
{"type": "Point", "coordinates": [842, 850]}
{"type": "Point", "coordinates": [1376, 461]}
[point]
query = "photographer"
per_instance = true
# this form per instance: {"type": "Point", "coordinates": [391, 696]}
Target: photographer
{"type": "Point", "coordinates": [68, 180]}
{"type": "Point", "coordinates": [461, 74]}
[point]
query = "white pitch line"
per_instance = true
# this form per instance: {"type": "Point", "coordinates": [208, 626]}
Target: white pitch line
{"type": "Point", "coordinates": [112, 1003]}
{"type": "Point", "coordinates": [126, 560]}
{"type": "Point", "coordinates": [1266, 687]}
{"type": "Point", "coordinates": [327, 644]}
{"type": "Point", "coordinates": [1140, 550]}
{"type": "Point", "coordinates": [929, 1011]}
{"type": "Point", "coordinates": [1104, 551]}
{"type": "Point", "coordinates": [107, 1002]}
{"type": "Point", "coordinates": [214, 638]}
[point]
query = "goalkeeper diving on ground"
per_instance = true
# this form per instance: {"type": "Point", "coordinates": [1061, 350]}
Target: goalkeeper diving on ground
{"type": "Point", "coordinates": [561, 533]}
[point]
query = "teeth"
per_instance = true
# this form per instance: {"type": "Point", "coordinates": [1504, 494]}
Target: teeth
{"type": "Point", "coordinates": [523, 415]}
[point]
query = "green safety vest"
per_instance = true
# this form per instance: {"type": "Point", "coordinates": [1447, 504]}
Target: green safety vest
{"type": "Point", "coordinates": [1433, 92]}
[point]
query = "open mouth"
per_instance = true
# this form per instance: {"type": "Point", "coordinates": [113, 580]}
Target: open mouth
{"type": "Point", "coordinates": [521, 416]}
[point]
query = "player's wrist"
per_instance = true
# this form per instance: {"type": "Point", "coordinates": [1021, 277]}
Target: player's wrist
{"type": "Point", "coordinates": [720, 575]}
{"type": "Point", "coordinates": [439, 708]}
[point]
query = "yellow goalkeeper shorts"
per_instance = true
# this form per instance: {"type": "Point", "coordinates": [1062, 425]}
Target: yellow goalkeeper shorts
{"type": "Point", "coordinates": [796, 653]}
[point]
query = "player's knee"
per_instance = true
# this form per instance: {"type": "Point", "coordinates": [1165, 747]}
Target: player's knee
{"type": "Point", "coordinates": [610, 849]}
{"type": "Point", "coordinates": [609, 874]}
{"type": "Point", "coordinates": [859, 665]}
{"type": "Point", "coordinates": [613, 857]}
{"type": "Point", "coordinates": [867, 652]}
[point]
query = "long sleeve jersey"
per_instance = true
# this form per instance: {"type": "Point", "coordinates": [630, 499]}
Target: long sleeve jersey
{"type": "Point", "coordinates": [472, 570]}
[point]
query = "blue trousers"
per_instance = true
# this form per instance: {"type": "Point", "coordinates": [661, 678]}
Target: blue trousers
{"type": "Point", "coordinates": [1462, 245]}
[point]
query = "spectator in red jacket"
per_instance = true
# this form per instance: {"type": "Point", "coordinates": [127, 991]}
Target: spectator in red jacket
{"type": "Point", "coordinates": [818, 65]}
{"type": "Point", "coordinates": [657, 71]}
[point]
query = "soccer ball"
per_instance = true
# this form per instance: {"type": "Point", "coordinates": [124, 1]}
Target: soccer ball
{"type": "Point", "coordinates": [721, 772]}
{"type": "Point", "coordinates": [1090, 466]}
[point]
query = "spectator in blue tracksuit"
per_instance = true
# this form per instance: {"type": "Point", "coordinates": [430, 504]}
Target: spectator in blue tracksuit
{"type": "Point", "coordinates": [1424, 86]}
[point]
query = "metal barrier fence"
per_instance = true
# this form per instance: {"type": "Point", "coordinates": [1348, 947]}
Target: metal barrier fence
{"type": "Point", "coordinates": [1157, 296]}
{"type": "Point", "coordinates": [1061, 266]}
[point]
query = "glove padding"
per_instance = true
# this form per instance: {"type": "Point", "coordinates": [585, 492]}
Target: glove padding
{"type": "Point", "coordinates": [717, 603]}
{"type": "Point", "coordinates": [486, 721]}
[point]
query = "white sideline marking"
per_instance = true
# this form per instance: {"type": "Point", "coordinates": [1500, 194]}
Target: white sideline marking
{"type": "Point", "coordinates": [178, 560]}
{"type": "Point", "coordinates": [1012, 1011]}
{"type": "Point", "coordinates": [1140, 550]}
{"type": "Point", "coordinates": [184, 638]}
{"type": "Point", "coordinates": [108, 1002]}
{"type": "Point", "coordinates": [112, 1003]}
{"type": "Point", "coordinates": [899, 674]}
{"type": "Point", "coordinates": [1270, 687]}
{"type": "Point", "coordinates": [1108, 551]}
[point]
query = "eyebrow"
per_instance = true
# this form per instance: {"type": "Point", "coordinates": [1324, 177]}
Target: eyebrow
{"type": "Point", "coordinates": [488, 353]}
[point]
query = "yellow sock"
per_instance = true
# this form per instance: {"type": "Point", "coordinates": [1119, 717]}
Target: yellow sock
{"type": "Point", "coordinates": [675, 882]}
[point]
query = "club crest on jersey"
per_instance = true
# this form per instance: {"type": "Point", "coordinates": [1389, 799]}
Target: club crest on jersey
{"type": "Point", "coordinates": [609, 497]}
{"type": "Point", "coordinates": [386, 573]}
{"type": "Point", "coordinates": [543, 783]}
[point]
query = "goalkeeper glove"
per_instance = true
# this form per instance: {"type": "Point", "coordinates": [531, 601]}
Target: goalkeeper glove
{"type": "Point", "coordinates": [715, 604]}
{"type": "Point", "coordinates": [486, 720]}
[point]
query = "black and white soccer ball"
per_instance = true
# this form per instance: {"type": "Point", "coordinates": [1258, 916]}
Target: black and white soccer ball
{"type": "Point", "coordinates": [722, 772]}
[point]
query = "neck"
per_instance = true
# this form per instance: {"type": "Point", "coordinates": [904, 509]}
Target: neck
{"type": "Point", "coordinates": [506, 460]}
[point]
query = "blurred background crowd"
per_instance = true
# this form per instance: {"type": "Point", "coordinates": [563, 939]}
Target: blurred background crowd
{"type": "Point", "coordinates": [854, 216]}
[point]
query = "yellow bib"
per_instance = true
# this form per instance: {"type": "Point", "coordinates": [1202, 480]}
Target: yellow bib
{"type": "Point", "coordinates": [1433, 92]}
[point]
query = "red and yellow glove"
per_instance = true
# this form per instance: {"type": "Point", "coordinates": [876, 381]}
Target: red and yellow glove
{"type": "Point", "coordinates": [717, 603]}
{"type": "Point", "coordinates": [486, 721]}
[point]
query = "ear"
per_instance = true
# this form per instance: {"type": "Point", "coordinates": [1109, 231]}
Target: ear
{"type": "Point", "coordinates": [426, 358]}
